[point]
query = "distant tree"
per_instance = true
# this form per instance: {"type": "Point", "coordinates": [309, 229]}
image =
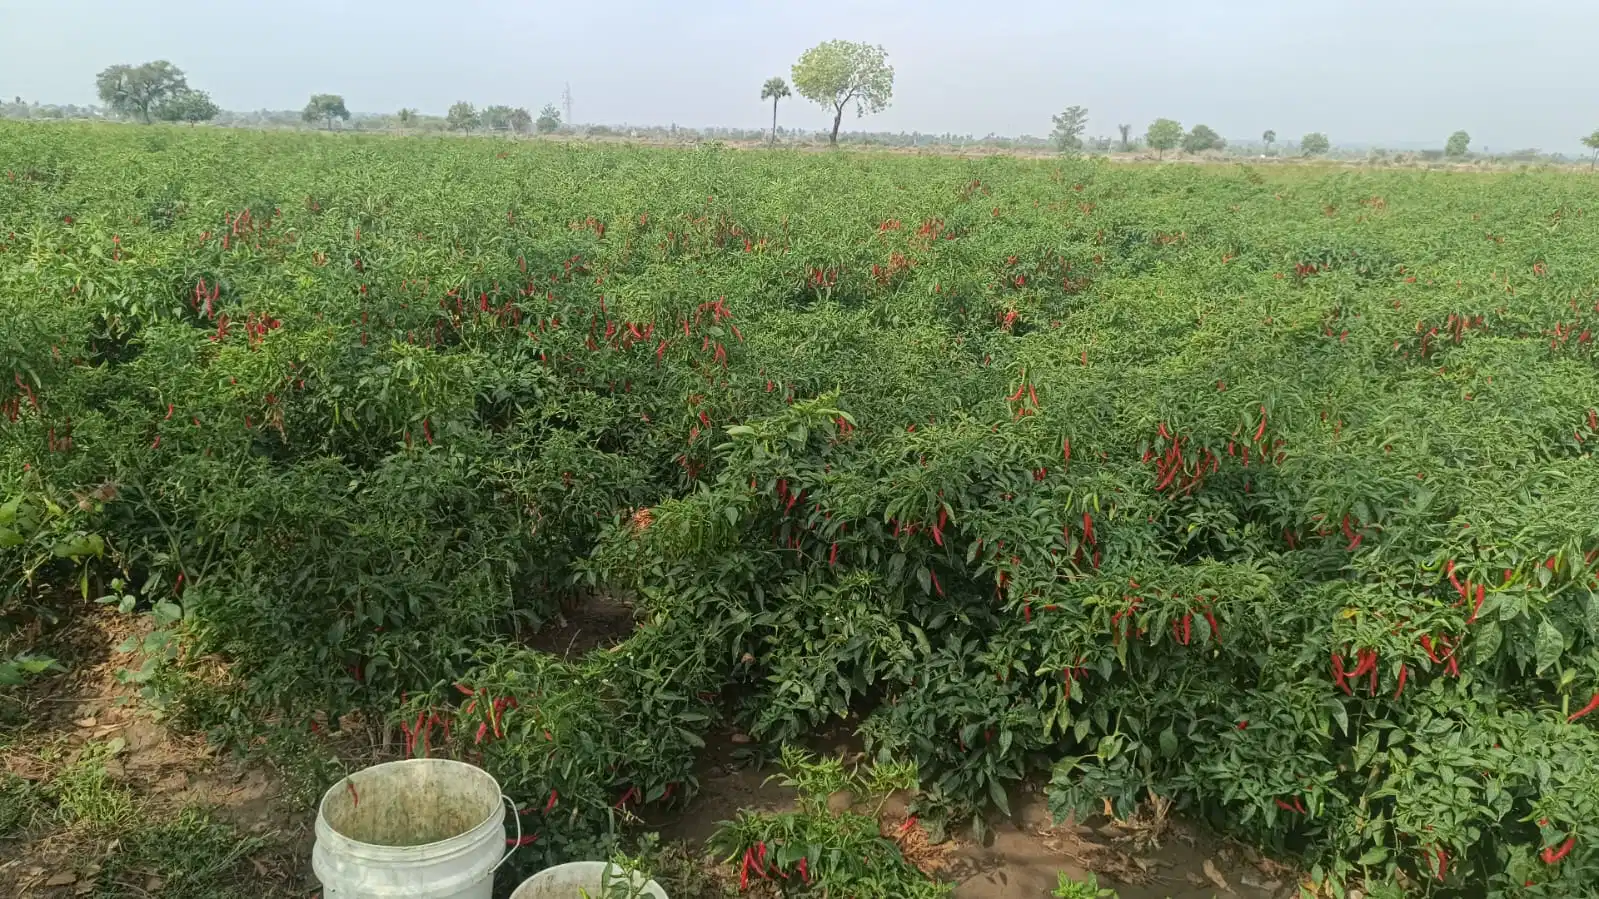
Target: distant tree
{"type": "Point", "coordinates": [1314, 144]}
{"type": "Point", "coordinates": [549, 120]}
{"type": "Point", "coordinates": [521, 120]}
{"type": "Point", "coordinates": [496, 118]}
{"type": "Point", "coordinates": [775, 89]}
{"type": "Point", "coordinates": [1126, 130]}
{"type": "Point", "coordinates": [325, 108]}
{"type": "Point", "coordinates": [462, 117]}
{"type": "Point", "coordinates": [1458, 143]}
{"type": "Point", "coordinates": [838, 73]}
{"type": "Point", "coordinates": [1069, 126]}
{"type": "Point", "coordinates": [136, 90]}
{"type": "Point", "coordinates": [1202, 138]}
{"type": "Point", "coordinates": [1592, 143]}
{"type": "Point", "coordinates": [406, 117]}
{"type": "Point", "coordinates": [1163, 135]}
{"type": "Point", "coordinates": [1270, 137]}
{"type": "Point", "coordinates": [188, 106]}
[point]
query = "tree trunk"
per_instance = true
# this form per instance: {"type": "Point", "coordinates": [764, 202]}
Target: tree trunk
{"type": "Point", "coordinates": [838, 119]}
{"type": "Point", "coordinates": [774, 120]}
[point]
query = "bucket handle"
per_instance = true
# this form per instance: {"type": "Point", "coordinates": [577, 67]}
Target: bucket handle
{"type": "Point", "coordinates": [517, 843]}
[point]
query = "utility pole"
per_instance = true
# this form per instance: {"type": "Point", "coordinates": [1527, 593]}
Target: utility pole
{"type": "Point", "coordinates": [566, 100]}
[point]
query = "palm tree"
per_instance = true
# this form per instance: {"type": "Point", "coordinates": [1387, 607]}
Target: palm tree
{"type": "Point", "coordinates": [775, 89]}
{"type": "Point", "coordinates": [1270, 137]}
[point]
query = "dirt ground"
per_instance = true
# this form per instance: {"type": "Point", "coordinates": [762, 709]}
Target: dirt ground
{"type": "Point", "coordinates": [147, 812]}
{"type": "Point", "coordinates": [1024, 857]}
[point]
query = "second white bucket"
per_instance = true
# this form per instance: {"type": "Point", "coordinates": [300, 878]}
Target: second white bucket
{"type": "Point", "coordinates": [417, 829]}
{"type": "Point", "coordinates": [565, 882]}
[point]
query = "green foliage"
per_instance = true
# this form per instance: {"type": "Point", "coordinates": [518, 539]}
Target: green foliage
{"type": "Point", "coordinates": [1126, 132]}
{"type": "Point", "coordinates": [462, 116]}
{"type": "Point", "coordinates": [325, 108]}
{"type": "Point", "coordinates": [405, 117]}
{"type": "Point", "coordinates": [1069, 126]}
{"type": "Point", "coordinates": [775, 89]}
{"type": "Point", "coordinates": [549, 120]}
{"type": "Point", "coordinates": [188, 106]}
{"type": "Point", "coordinates": [818, 851]}
{"type": "Point", "coordinates": [1114, 473]}
{"type": "Point", "coordinates": [1202, 138]}
{"type": "Point", "coordinates": [520, 120]}
{"type": "Point", "coordinates": [141, 89]}
{"type": "Point", "coordinates": [1163, 135]}
{"type": "Point", "coordinates": [1314, 144]}
{"type": "Point", "coordinates": [1270, 137]}
{"type": "Point", "coordinates": [497, 118]}
{"type": "Point", "coordinates": [1458, 144]}
{"type": "Point", "coordinates": [837, 73]}
{"type": "Point", "coordinates": [1087, 888]}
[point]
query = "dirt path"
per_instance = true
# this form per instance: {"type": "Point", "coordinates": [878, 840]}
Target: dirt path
{"type": "Point", "coordinates": [1024, 857]}
{"type": "Point", "coordinates": [104, 800]}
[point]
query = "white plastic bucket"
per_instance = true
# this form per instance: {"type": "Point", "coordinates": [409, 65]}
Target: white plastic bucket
{"type": "Point", "coordinates": [417, 829]}
{"type": "Point", "coordinates": [564, 881]}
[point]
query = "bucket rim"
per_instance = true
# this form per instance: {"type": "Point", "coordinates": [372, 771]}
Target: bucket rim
{"type": "Point", "coordinates": [649, 886]}
{"type": "Point", "coordinates": [323, 824]}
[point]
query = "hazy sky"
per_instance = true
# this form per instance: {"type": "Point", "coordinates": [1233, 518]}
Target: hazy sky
{"type": "Point", "coordinates": [1367, 71]}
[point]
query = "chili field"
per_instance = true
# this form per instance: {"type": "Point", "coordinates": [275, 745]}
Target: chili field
{"type": "Point", "coordinates": [1269, 491]}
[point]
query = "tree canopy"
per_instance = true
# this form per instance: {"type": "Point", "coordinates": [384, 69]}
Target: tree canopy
{"type": "Point", "coordinates": [1069, 126]}
{"type": "Point", "coordinates": [775, 89]}
{"type": "Point", "coordinates": [1164, 134]}
{"type": "Point", "coordinates": [1458, 144]}
{"type": "Point", "coordinates": [188, 106]}
{"type": "Point", "coordinates": [838, 73]}
{"type": "Point", "coordinates": [1314, 144]}
{"type": "Point", "coordinates": [521, 120]}
{"type": "Point", "coordinates": [497, 118]}
{"type": "Point", "coordinates": [462, 116]}
{"type": "Point", "coordinates": [549, 120]}
{"type": "Point", "coordinates": [1202, 138]}
{"type": "Point", "coordinates": [325, 108]}
{"type": "Point", "coordinates": [139, 90]}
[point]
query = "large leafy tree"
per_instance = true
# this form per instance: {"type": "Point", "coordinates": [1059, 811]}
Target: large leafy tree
{"type": "Point", "coordinates": [139, 90]}
{"type": "Point", "coordinates": [497, 118]}
{"type": "Point", "coordinates": [1270, 137]}
{"type": "Point", "coordinates": [325, 108]}
{"type": "Point", "coordinates": [1127, 132]}
{"type": "Point", "coordinates": [521, 120]}
{"type": "Point", "coordinates": [838, 73]}
{"type": "Point", "coordinates": [1163, 135]}
{"type": "Point", "coordinates": [1592, 143]}
{"type": "Point", "coordinates": [1314, 144]}
{"type": "Point", "coordinates": [406, 117]}
{"type": "Point", "coordinates": [549, 120]}
{"type": "Point", "coordinates": [1458, 144]}
{"type": "Point", "coordinates": [1069, 126]}
{"type": "Point", "coordinates": [188, 106]}
{"type": "Point", "coordinates": [462, 116]}
{"type": "Point", "coordinates": [775, 89]}
{"type": "Point", "coordinates": [1202, 138]}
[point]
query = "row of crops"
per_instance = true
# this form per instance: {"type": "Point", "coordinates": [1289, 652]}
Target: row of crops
{"type": "Point", "coordinates": [1269, 493]}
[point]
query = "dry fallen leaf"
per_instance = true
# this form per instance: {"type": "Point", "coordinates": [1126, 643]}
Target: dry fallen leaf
{"type": "Point", "coordinates": [60, 880]}
{"type": "Point", "coordinates": [1215, 877]}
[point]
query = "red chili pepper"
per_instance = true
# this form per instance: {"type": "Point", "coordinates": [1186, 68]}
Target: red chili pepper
{"type": "Point", "coordinates": [744, 869]}
{"type": "Point", "coordinates": [1338, 672]}
{"type": "Point", "coordinates": [481, 730]}
{"type": "Point", "coordinates": [803, 873]}
{"type": "Point", "coordinates": [1552, 855]}
{"type": "Point", "coordinates": [463, 689]}
{"type": "Point", "coordinates": [1593, 704]}
{"type": "Point", "coordinates": [551, 803]}
{"type": "Point", "coordinates": [1476, 606]}
{"type": "Point", "coordinates": [832, 555]}
{"type": "Point", "coordinates": [1088, 528]}
{"type": "Point", "coordinates": [1403, 671]}
{"type": "Point", "coordinates": [1443, 864]}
